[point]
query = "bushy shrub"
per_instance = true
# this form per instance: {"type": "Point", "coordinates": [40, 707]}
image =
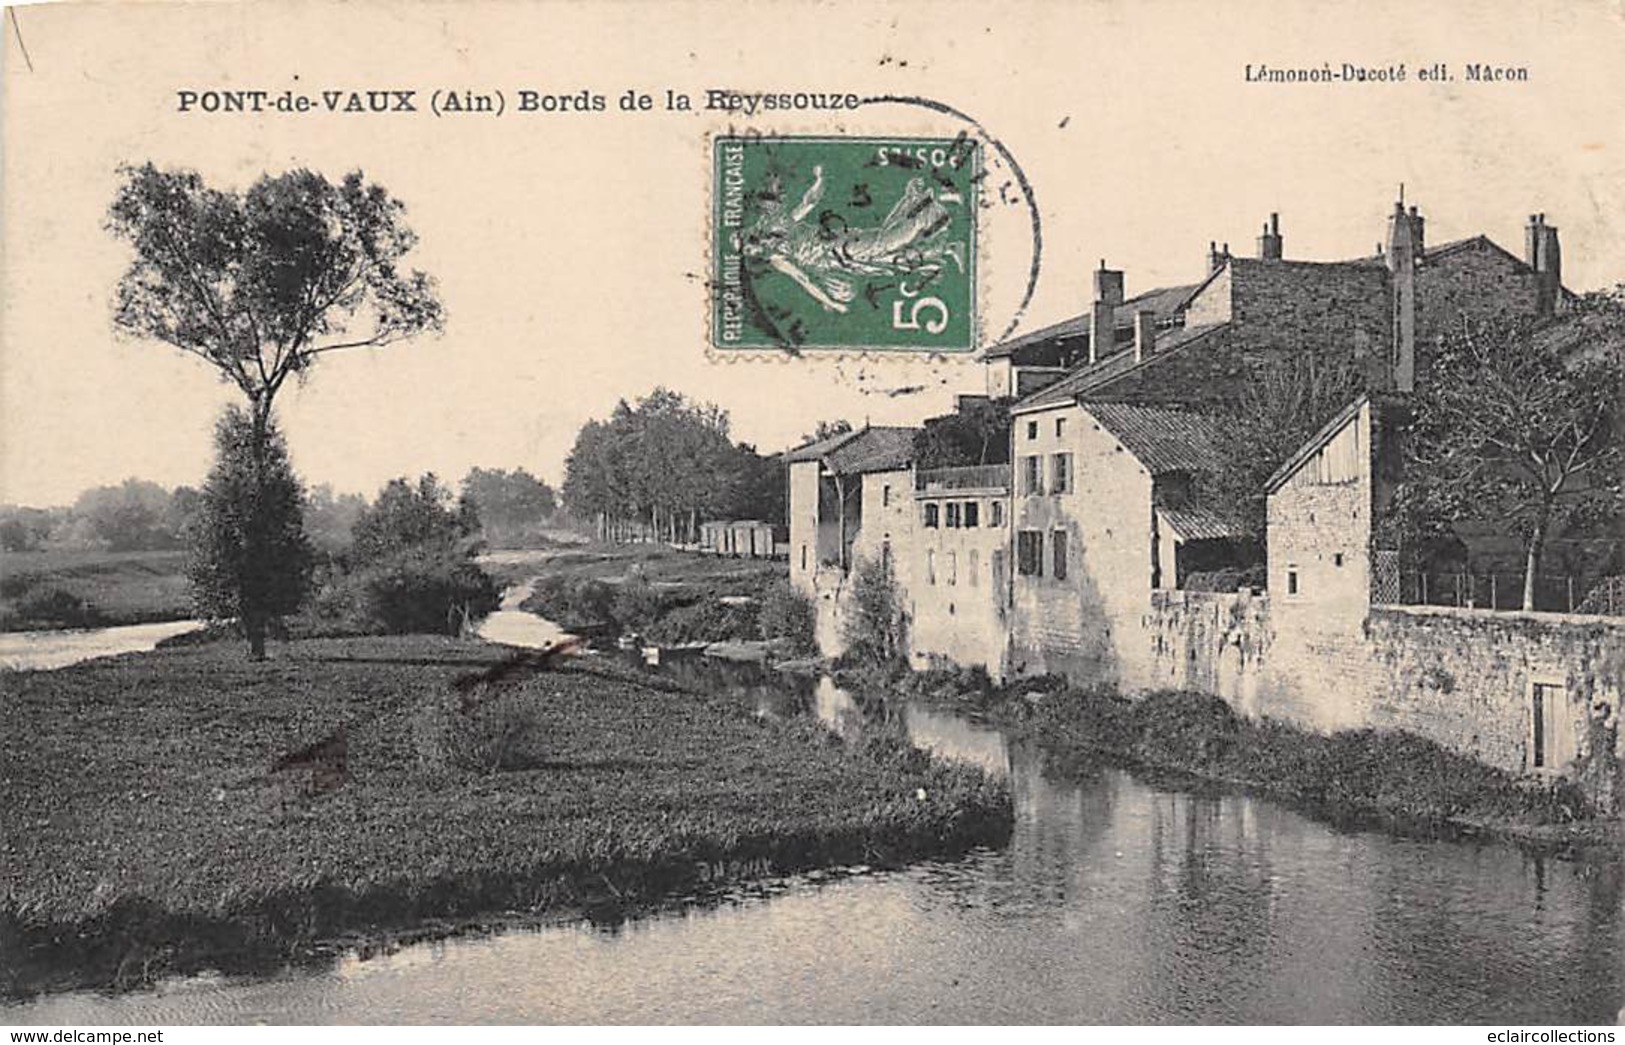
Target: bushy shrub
{"type": "Point", "coordinates": [788, 614]}
{"type": "Point", "coordinates": [58, 607]}
{"type": "Point", "coordinates": [704, 621]}
{"type": "Point", "coordinates": [876, 631]}
{"type": "Point", "coordinates": [422, 590]}
{"type": "Point", "coordinates": [636, 605]}
{"type": "Point", "coordinates": [572, 601]}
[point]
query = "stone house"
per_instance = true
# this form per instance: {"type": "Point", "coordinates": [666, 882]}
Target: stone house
{"type": "Point", "coordinates": [957, 577]}
{"type": "Point", "coordinates": [851, 498]}
{"type": "Point", "coordinates": [1104, 534]}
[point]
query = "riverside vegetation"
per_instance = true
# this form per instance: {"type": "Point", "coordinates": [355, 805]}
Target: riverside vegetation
{"type": "Point", "coordinates": [669, 597]}
{"type": "Point", "coordinates": [186, 808]}
{"type": "Point", "coordinates": [1384, 778]}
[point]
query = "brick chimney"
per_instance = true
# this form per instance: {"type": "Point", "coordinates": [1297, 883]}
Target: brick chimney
{"type": "Point", "coordinates": [1217, 258]}
{"type": "Point", "coordinates": [1544, 255]}
{"type": "Point", "coordinates": [1103, 313]}
{"type": "Point", "coordinates": [1145, 334]}
{"type": "Point", "coordinates": [1404, 254]}
{"type": "Point", "coordinates": [1269, 241]}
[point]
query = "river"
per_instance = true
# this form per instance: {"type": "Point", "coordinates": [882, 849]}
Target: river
{"type": "Point", "coordinates": [45, 650]}
{"type": "Point", "coordinates": [1116, 901]}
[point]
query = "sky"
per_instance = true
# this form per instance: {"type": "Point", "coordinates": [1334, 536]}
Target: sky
{"type": "Point", "coordinates": [571, 248]}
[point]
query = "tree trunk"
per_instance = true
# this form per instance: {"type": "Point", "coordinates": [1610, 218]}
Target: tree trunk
{"type": "Point", "coordinates": [1531, 567]}
{"type": "Point", "coordinates": [254, 627]}
{"type": "Point", "coordinates": [250, 599]}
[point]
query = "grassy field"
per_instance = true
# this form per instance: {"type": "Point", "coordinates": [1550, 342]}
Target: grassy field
{"type": "Point", "coordinates": [145, 828]}
{"type": "Point", "coordinates": [90, 589]}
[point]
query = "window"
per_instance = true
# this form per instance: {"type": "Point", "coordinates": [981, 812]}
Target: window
{"type": "Point", "coordinates": [930, 566]}
{"type": "Point", "coordinates": [1060, 470]}
{"type": "Point", "coordinates": [1032, 429]}
{"type": "Point", "coordinates": [1060, 427]}
{"type": "Point", "coordinates": [1337, 558]}
{"type": "Point", "coordinates": [885, 495]}
{"type": "Point", "coordinates": [1292, 580]}
{"type": "Point", "coordinates": [1058, 554]}
{"type": "Point", "coordinates": [972, 515]}
{"type": "Point", "coordinates": [953, 568]}
{"type": "Point", "coordinates": [972, 565]}
{"type": "Point", "coordinates": [1032, 475]}
{"type": "Point", "coordinates": [804, 556]}
{"type": "Point", "coordinates": [1030, 553]}
{"type": "Point", "coordinates": [885, 556]}
{"type": "Point", "coordinates": [953, 515]}
{"type": "Point", "coordinates": [996, 514]}
{"type": "Point", "coordinates": [931, 511]}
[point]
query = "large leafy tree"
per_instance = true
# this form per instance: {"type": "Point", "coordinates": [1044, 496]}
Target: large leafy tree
{"type": "Point", "coordinates": [511, 505]}
{"type": "Point", "coordinates": [261, 284]}
{"type": "Point", "coordinates": [976, 433]}
{"type": "Point", "coordinates": [1282, 405]}
{"type": "Point", "coordinates": [1520, 423]}
{"type": "Point", "coordinates": [249, 558]}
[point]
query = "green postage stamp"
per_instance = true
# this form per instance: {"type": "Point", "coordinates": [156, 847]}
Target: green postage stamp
{"type": "Point", "coordinates": [844, 243]}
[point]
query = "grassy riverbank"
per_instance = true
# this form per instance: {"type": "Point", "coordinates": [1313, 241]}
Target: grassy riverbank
{"type": "Point", "coordinates": [1385, 778]}
{"type": "Point", "coordinates": [60, 589]}
{"type": "Point", "coordinates": [146, 828]}
{"type": "Point", "coordinates": [664, 595]}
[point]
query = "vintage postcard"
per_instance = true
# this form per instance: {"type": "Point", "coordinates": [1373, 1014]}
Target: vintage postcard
{"type": "Point", "coordinates": [581, 513]}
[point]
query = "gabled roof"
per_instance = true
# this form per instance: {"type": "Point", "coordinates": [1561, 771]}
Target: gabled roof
{"type": "Point", "coordinates": [1164, 301]}
{"type": "Point", "coordinates": [819, 447]}
{"type": "Point", "coordinates": [1162, 439]}
{"type": "Point", "coordinates": [1094, 377]}
{"type": "Point", "coordinates": [1197, 523]}
{"type": "Point", "coordinates": [872, 448]}
{"type": "Point", "coordinates": [1316, 442]}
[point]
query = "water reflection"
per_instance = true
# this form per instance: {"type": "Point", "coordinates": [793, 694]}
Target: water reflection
{"type": "Point", "coordinates": [1117, 901]}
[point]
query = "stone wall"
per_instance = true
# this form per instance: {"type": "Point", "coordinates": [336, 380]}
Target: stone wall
{"type": "Point", "coordinates": [1462, 678]}
{"type": "Point", "coordinates": [1209, 642]}
{"type": "Point", "coordinates": [1465, 678]}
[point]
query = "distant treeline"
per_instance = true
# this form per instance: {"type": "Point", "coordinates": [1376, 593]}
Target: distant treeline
{"type": "Point", "coordinates": [663, 465]}
{"type": "Point", "coordinates": [513, 509]}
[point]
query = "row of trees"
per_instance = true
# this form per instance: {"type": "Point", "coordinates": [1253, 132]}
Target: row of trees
{"type": "Point", "coordinates": [514, 508]}
{"type": "Point", "coordinates": [135, 515]}
{"type": "Point", "coordinates": [663, 465]}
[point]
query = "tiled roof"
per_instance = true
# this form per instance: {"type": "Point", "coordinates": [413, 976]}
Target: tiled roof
{"type": "Point", "coordinates": [818, 447]}
{"type": "Point", "coordinates": [881, 448]}
{"type": "Point", "coordinates": [1194, 523]}
{"type": "Point", "coordinates": [1164, 301]}
{"type": "Point", "coordinates": [1163, 440]}
{"type": "Point", "coordinates": [1092, 377]}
